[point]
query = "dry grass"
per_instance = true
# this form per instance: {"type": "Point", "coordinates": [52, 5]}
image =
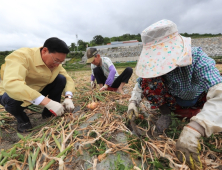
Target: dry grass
{"type": "Point", "coordinates": [219, 67]}
{"type": "Point", "coordinates": [55, 144]}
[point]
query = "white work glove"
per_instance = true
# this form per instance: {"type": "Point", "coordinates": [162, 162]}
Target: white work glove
{"type": "Point", "coordinates": [136, 94]}
{"type": "Point", "coordinates": [55, 108]}
{"type": "Point", "coordinates": [104, 87]}
{"type": "Point", "coordinates": [132, 110]}
{"type": "Point", "coordinates": [68, 105]}
{"type": "Point", "coordinates": [93, 84]}
{"type": "Point", "coordinates": [188, 144]}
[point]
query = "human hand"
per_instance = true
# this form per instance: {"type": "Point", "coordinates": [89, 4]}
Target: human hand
{"type": "Point", "coordinates": [93, 84]}
{"type": "Point", "coordinates": [188, 144]}
{"type": "Point", "coordinates": [55, 108]}
{"type": "Point", "coordinates": [68, 105]}
{"type": "Point", "coordinates": [132, 110]}
{"type": "Point", "coordinates": [104, 87]}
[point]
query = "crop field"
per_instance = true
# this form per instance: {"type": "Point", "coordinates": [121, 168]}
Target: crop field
{"type": "Point", "coordinates": [98, 139]}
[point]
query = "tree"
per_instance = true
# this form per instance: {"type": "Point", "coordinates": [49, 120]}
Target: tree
{"type": "Point", "coordinates": [106, 40]}
{"type": "Point", "coordinates": [125, 37]}
{"type": "Point", "coordinates": [98, 39]}
{"type": "Point", "coordinates": [72, 47]}
{"type": "Point", "coordinates": [82, 45]}
{"type": "Point", "coordinates": [114, 39]}
{"type": "Point", "coordinates": [92, 43]}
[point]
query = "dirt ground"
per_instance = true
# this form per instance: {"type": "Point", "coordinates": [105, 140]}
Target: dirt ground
{"type": "Point", "coordinates": [8, 132]}
{"type": "Point", "coordinates": [8, 125]}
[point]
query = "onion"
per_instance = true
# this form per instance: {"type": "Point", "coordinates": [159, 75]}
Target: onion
{"type": "Point", "coordinates": [141, 116]}
{"type": "Point", "coordinates": [92, 105]}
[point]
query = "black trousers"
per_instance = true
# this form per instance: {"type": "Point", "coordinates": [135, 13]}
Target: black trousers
{"type": "Point", "coordinates": [53, 90]}
{"type": "Point", "coordinates": [124, 77]}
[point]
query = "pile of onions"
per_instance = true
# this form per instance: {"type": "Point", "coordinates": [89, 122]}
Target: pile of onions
{"type": "Point", "coordinates": [92, 105]}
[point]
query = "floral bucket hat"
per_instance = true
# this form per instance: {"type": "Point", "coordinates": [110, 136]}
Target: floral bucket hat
{"type": "Point", "coordinates": [164, 49]}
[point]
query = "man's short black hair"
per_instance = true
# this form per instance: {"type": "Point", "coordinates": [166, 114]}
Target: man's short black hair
{"type": "Point", "coordinates": [54, 44]}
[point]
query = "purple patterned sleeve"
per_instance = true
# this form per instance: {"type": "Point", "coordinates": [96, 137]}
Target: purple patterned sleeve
{"type": "Point", "coordinates": [110, 78]}
{"type": "Point", "coordinates": [92, 78]}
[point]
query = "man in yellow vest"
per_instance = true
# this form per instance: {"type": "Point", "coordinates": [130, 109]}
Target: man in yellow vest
{"type": "Point", "coordinates": [36, 76]}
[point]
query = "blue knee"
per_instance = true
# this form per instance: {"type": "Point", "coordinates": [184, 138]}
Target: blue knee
{"type": "Point", "coordinates": [129, 70]}
{"type": "Point", "coordinates": [61, 80]}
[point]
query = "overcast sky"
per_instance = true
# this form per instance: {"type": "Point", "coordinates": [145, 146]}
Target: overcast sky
{"type": "Point", "coordinates": [28, 23]}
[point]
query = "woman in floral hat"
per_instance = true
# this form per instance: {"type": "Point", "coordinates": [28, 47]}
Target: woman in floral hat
{"type": "Point", "coordinates": [173, 76]}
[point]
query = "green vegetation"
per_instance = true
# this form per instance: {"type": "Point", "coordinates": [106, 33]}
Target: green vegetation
{"type": "Point", "coordinates": [126, 64]}
{"type": "Point", "coordinates": [119, 164]}
{"type": "Point", "coordinates": [98, 148]}
{"type": "Point", "coordinates": [76, 67]}
{"type": "Point", "coordinates": [176, 126]}
{"type": "Point", "coordinates": [100, 40]}
{"type": "Point", "coordinates": [160, 163]}
{"type": "Point", "coordinates": [196, 35]}
{"type": "Point", "coordinates": [3, 54]}
{"type": "Point", "coordinates": [120, 109]}
{"type": "Point", "coordinates": [218, 59]}
{"type": "Point", "coordinates": [76, 55]}
{"type": "Point", "coordinates": [209, 142]}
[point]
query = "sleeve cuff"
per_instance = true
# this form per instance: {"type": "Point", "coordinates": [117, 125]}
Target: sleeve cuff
{"type": "Point", "coordinates": [38, 100]}
{"type": "Point", "coordinates": [68, 92]}
{"type": "Point", "coordinates": [198, 127]}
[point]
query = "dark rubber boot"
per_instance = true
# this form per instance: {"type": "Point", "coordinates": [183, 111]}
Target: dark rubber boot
{"type": "Point", "coordinates": [24, 127]}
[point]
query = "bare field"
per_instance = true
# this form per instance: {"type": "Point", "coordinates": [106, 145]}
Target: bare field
{"type": "Point", "coordinates": [95, 131]}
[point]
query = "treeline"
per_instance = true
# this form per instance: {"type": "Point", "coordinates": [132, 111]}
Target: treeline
{"type": "Point", "coordinates": [100, 40]}
{"type": "Point", "coordinates": [196, 35]}
{"type": "Point", "coordinates": [3, 54]}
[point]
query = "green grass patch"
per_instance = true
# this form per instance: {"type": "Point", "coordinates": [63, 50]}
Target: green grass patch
{"type": "Point", "coordinates": [119, 164]}
{"type": "Point", "coordinates": [217, 57]}
{"type": "Point", "coordinates": [176, 126]}
{"type": "Point", "coordinates": [98, 148]}
{"type": "Point", "coordinates": [76, 67]}
{"type": "Point", "coordinates": [126, 64]}
{"type": "Point", "coordinates": [161, 163]}
{"type": "Point", "coordinates": [210, 142]}
{"type": "Point", "coordinates": [73, 65]}
{"type": "Point", "coordinates": [120, 109]}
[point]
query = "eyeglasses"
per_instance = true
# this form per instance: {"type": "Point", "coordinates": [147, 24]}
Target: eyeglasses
{"type": "Point", "coordinates": [56, 62]}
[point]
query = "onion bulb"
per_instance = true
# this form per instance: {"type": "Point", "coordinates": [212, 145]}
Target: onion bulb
{"type": "Point", "coordinates": [92, 105]}
{"type": "Point", "coordinates": [141, 116]}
